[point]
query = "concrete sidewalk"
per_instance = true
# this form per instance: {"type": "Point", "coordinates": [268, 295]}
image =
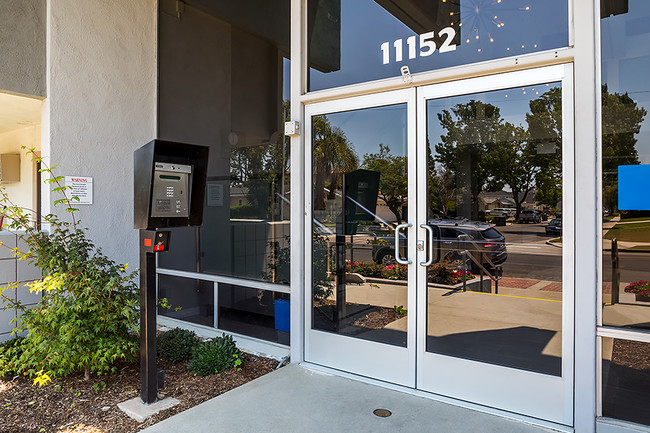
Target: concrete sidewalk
{"type": "Point", "coordinates": [297, 399]}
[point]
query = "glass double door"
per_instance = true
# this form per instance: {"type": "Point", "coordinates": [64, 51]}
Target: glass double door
{"type": "Point", "coordinates": [440, 239]}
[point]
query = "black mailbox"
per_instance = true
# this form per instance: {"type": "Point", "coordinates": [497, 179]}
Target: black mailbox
{"type": "Point", "coordinates": [169, 180]}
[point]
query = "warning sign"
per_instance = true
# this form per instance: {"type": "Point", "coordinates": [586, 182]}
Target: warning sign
{"type": "Point", "coordinates": [80, 187]}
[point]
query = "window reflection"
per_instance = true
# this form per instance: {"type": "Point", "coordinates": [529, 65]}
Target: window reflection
{"type": "Point", "coordinates": [626, 163]}
{"type": "Point", "coordinates": [359, 196]}
{"type": "Point", "coordinates": [626, 380]}
{"type": "Point", "coordinates": [224, 83]}
{"type": "Point", "coordinates": [495, 208]}
{"type": "Point", "coordinates": [352, 41]}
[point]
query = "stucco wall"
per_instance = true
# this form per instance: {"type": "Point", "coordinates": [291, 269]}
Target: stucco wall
{"type": "Point", "coordinates": [22, 46]}
{"type": "Point", "coordinates": [101, 107]}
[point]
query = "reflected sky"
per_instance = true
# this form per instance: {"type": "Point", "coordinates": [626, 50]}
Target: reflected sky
{"type": "Point", "coordinates": [490, 29]}
{"type": "Point", "coordinates": [625, 41]}
{"type": "Point", "coordinates": [513, 105]}
{"type": "Point", "coordinates": [369, 127]}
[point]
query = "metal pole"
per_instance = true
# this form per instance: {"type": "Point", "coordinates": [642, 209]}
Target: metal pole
{"type": "Point", "coordinates": [464, 270]}
{"type": "Point", "coordinates": [616, 273]}
{"type": "Point", "coordinates": [148, 372]}
{"type": "Point", "coordinates": [480, 268]}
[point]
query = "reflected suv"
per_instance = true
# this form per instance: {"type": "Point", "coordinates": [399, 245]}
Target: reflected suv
{"type": "Point", "coordinates": [451, 238]}
{"type": "Point", "coordinates": [530, 216]}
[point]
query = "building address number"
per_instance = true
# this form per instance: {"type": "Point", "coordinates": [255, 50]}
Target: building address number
{"type": "Point", "coordinates": [427, 45]}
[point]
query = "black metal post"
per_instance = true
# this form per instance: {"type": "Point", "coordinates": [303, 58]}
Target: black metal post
{"type": "Point", "coordinates": [148, 372]}
{"type": "Point", "coordinates": [616, 273]}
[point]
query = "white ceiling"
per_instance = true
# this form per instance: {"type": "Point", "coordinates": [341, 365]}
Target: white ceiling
{"type": "Point", "coordinates": [18, 112]}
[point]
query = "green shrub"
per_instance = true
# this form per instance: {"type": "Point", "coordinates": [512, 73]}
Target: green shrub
{"type": "Point", "coordinates": [214, 356]}
{"type": "Point", "coordinates": [89, 303]}
{"type": "Point", "coordinates": [447, 272]}
{"type": "Point", "coordinates": [10, 351]}
{"type": "Point", "coordinates": [176, 345]}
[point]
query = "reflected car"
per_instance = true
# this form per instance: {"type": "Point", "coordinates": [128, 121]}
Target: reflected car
{"type": "Point", "coordinates": [530, 216]}
{"type": "Point", "coordinates": [554, 227]}
{"type": "Point", "coordinates": [451, 237]}
{"type": "Point", "coordinates": [501, 212]}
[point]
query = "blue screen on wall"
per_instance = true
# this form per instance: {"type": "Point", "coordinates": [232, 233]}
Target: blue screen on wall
{"type": "Point", "coordinates": [634, 187]}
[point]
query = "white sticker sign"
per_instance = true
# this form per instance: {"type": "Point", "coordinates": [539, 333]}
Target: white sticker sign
{"type": "Point", "coordinates": [215, 194]}
{"type": "Point", "coordinates": [80, 187]}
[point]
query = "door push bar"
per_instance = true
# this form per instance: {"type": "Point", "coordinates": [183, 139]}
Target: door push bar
{"type": "Point", "coordinates": [430, 249]}
{"type": "Point", "coordinates": [398, 259]}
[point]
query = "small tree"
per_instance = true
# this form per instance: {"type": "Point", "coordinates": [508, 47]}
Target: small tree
{"type": "Point", "coordinates": [89, 303]}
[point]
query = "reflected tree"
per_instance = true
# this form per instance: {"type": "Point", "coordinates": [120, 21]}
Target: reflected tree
{"type": "Point", "coordinates": [622, 118]}
{"type": "Point", "coordinates": [440, 188]}
{"type": "Point", "coordinates": [472, 129]}
{"type": "Point", "coordinates": [513, 163]}
{"type": "Point", "coordinates": [545, 139]}
{"type": "Point", "coordinates": [261, 170]}
{"type": "Point", "coordinates": [333, 156]}
{"type": "Point", "coordinates": [393, 183]}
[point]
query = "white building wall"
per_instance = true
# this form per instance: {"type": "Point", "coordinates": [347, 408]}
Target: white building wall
{"type": "Point", "coordinates": [101, 77]}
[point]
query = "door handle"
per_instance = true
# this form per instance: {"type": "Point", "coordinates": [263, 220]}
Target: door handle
{"type": "Point", "coordinates": [398, 259]}
{"type": "Point", "coordinates": [429, 260]}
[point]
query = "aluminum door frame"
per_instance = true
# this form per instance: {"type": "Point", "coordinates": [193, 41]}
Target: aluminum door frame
{"type": "Point", "coordinates": [381, 361]}
{"type": "Point", "coordinates": [523, 392]}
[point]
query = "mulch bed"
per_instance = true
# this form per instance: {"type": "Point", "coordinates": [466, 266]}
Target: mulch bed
{"type": "Point", "coordinates": [73, 404]}
{"type": "Point", "coordinates": [378, 319]}
{"type": "Point", "coordinates": [627, 382]}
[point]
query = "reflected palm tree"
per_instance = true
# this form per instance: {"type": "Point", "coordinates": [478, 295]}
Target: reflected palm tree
{"type": "Point", "coordinates": [333, 156]}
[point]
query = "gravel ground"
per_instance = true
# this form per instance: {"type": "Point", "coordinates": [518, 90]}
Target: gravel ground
{"type": "Point", "coordinates": [72, 404]}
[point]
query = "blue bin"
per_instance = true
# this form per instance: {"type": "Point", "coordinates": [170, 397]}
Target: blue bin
{"type": "Point", "coordinates": [282, 315]}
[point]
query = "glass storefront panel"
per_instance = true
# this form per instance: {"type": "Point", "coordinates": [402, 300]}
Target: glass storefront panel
{"type": "Point", "coordinates": [626, 380]}
{"type": "Point", "coordinates": [626, 163]}
{"type": "Point", "coordinates": [353, 41]}
{"type": "Point", "coordinates": [494, 209]}
{"type": "Point", "coordinates": [224, 83]}
{"type": "Point", "coordinates": [359, 196]}
{"type": "Point", "coordinates": [257, 313]}
{"type": "Point", "coordinates": [189, 299]}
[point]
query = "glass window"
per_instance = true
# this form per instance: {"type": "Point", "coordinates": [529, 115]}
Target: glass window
{"type": "Point", "coordinates": [352, 41]}
{"type": "Point", "coordinates": [359, 195]}
{"type": "Point", "coordinates": [626, 380]}
{"type": "Point", "coordinates": [257, 313]}
{"type": "Point", "coordinates": [224, 83]}
{"type": "Point", "coordinates": [625, 29]}
{"type": "Point", "coordinates": [189, 299]}
{"type": "Point", "coordinates": [495, 294]}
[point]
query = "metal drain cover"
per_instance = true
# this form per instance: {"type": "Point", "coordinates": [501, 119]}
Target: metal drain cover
{"type": "Point", "coordinates": [382, 412]}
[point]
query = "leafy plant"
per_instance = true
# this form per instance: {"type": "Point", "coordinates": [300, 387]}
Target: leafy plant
{"type": "Point", "coordinates": [215, 356]}
{"type": "Point", "coordinates": [89, 302]}
{"type": "Point", "coordinates": [322, 284]}
{"type": "Point", "coordinates": [10, 351]}
{"type": "Point", "coordinates": [400, 311]}
{"type": "Point", "coordinates": [176, 344]}
{"type": "Point", "coordinates": [641, 287]}
{"type": "Point", "coordinates": [447, 272]}
{"type": "Point", "coordinates": [375, 270]}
